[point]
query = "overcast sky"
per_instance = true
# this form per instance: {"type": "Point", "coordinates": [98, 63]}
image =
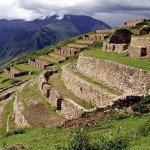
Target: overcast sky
{"type": "Point", "coordinates": [113, 12]}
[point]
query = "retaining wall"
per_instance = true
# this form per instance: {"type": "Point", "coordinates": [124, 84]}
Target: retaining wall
{"type": "Point", "coordinates": [98, 97]}
{"type": "Point", "coordinates": [124, 78]}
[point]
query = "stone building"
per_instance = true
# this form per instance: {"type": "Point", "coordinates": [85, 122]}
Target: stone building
{"type": "Point", "coordinates": [144, 30]}
{"type": "Point", "coordinates": [98, 36]}
{"type": "Point", "coordinates": [139, 47]}
{"type": "Point", "coordinates": [133, 23]}
{"type": "Point", "coordinates": [118, 42]}
{"type": "Point", "coordinates": [13, 72]}
{"type": "Point", "coordinates": [38, 63]}
{"type": "Point", "coordinates": [67, 51]}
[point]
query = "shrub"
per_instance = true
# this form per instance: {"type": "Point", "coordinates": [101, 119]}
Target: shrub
{"type": "Point", "coordinates": [18, 131]}
{"type": "Point", "coordinates": [79, 141]}
{"type": "Point", "coordinates": [144, 130]}
{"type": "Point", "coordinates": [121, 116]}
{"type": "Point", "coordinates": [114, 143]}
{"type": "Point", "coordinates": [141, 108]}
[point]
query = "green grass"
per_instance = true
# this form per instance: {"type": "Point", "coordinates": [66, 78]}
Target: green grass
{"type": "Point", "coordinates": [95, 82]}
{"type": "Point", "coordinates": [25, 67]}
{"type": "Point", "coordinates": [5, 80]}
{"type": "Point", "coordinates": [49, 59]}
{"type": "Point", "coordinates": [31, 94]}
{"type": "Point", "coordinates": [57, 83]}
{"type": "Point", "coordinates": [119, 58]}
{"type": "Point", "coordinates": [45, 138]}
{"type": "Point", "coordinates": [8, 111]}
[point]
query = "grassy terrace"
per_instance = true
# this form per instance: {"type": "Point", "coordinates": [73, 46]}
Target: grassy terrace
{"type": "Point", "coordinates": [29, 68]}
{"type": "Point", "coordinates": [49, 59]}
{"type": "Point", "coordinates": [58, 84]}
{"type": "Point", "coordinates": [39, 138]}
{"type": "Point", "coordinates": [5, 80]}
{"type": "Point", "coordinates": [95, 82]}
{"type": "Point", "coordinates": [30, 94]}
{"type": "Point", "coordinates": [8, 111]}
{"type": "Point", "coordinates": [119, 58]}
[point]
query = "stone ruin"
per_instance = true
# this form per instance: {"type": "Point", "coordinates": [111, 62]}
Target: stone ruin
{"type": "Point", "coordinates": [144, 30]}
{"type": "Point", "coordinates": [38, 63]}
{"type": "Point", "coordinates": [118, 42]}
{"type": "Point", "coordinates": [67, 107]}
{"type": "Point", "coordinates": [14, 72]}
{"type": "Point", "coordinates": [139, 47]}
{"type": "Point", "coordinates": [73, 48]}
{"type": "Point", "coordinates": [133, 23]}
{"type": "Point", "coordinates": [67, 50]}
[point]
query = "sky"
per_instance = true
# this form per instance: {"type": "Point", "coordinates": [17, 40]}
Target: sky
{"type": "Point", "coordinates": [112, 12]}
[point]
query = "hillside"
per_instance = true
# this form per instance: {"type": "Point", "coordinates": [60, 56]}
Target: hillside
{"type": "Point", "coordinates": [19, 36]}
{"type": "Point", "coordinates": [89, 92]}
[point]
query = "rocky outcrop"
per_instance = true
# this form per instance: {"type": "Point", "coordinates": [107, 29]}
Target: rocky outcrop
{"type": "Point", "coordinates": [127, 79]}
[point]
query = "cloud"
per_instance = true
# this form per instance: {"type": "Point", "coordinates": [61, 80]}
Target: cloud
{"type": "Point", "coordinates": [113, 12]}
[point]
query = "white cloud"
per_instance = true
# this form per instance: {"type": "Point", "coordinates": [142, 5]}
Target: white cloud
{"type": "Point", "coordinates": [106, 10]}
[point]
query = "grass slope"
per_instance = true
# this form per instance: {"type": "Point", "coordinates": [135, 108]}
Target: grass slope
{"type": "Point", "coordinates": [46, 138]}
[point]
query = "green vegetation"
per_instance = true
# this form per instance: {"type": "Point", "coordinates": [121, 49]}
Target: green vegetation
{"type": "Point", "coordinates": [5, 80]}
{"type": "Point", "coordinates": [57, 83]}
{"type": "Point", "coordinates": [7, 113]}
{"type": "Point", "coordinates": [119, 58]}
{"type": "Point", "coordinates": [124, 132]}
{"type": "Point", "coordinates": [31, 95]}
{"type": "Point", "coordinates": [142, 105]}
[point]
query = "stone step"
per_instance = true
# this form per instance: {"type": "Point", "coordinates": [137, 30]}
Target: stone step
{"type": "Point", "coordinates": [97, 95]}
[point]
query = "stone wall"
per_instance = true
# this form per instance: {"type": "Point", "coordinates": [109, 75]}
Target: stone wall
{"type": "Point", "coordinates": [111, 47]}
{"type": "Point", "coordinates": [115, 75]}
{"type": "Point", "coordinates": [71, 110]}
{"type": "Point", "coordinates": [93, 94]}
{"type": "Point", "coordinates": [66, 107]}
{"type": "Point", "coordinates": [5, 96]}
{"type": "Point", "coordinates": [19, 118]}
{"type": "Point", "coordinates": [142, 42]}
{"type": "Point", "coordinates": [133, 23]}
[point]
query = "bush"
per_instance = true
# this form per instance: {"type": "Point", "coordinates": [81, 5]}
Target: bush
{"type": "Point", "coordinates": [144, 130]}
{"type": "Point", "coordinates": [140, 107]}
{"type": "Point", "coordinates": [114, 143]}
{"type": "Point", "coordinates": [18, 131]}
{"type": "Point", "coordinates": [121, 116]}
{"type": "Point", "coordinates": [79, 141]}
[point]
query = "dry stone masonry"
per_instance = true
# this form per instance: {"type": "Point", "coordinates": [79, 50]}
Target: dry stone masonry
{"type": "Point", "coordinates": [93, 94]}
{"type": "Point", "coordinates": [38, 63]}
{"type": "Point", "coordinates": [133, 23]}
{"type": "Point", "coordinates": [126, 79]}
{"type": "Point", "coordinates": [67, 107]}
{"type": "Point", "coordinates": [18, 115]}
{"type": "Point", "coordinates": [118, 42]}
{"type": "Point", "coordinates": [14, 72]}
{"type": "Point", "coordinates": [139, 47]}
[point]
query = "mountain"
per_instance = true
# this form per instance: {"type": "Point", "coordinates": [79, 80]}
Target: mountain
{"type": "Point", "coordinates": [18, 36]}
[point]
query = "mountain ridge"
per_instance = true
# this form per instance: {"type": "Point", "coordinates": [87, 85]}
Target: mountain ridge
{"type": "Point", "coordinates": [19, 36]}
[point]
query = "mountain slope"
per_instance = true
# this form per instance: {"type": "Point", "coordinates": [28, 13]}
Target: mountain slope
{"type": "Point", "coordinates": [18, 36]}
